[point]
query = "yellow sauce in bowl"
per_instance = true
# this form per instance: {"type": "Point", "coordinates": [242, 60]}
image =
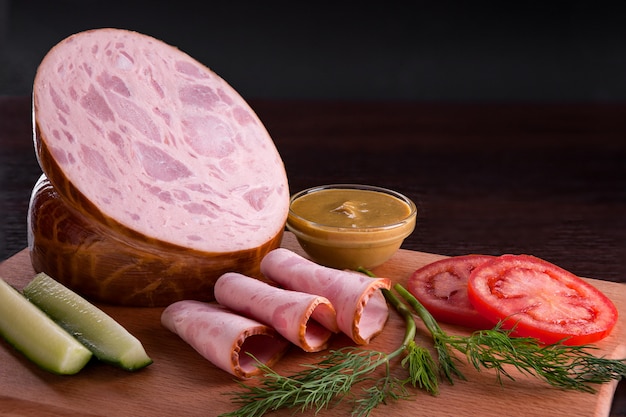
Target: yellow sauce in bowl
{"type": "Point", "coordinates": [352, 208]}
{"type": "Point", "coordinates": [349, 226]}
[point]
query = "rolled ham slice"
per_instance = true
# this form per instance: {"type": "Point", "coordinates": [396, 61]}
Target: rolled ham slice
{"type": "Point", "coordinates": [141, 141]}
{"type": "Point", "coordinates": [225, 338]}
{"type": "Point", "coordinates": [306, 320]}
{"type": "Point", "coordinates": [361, 308]}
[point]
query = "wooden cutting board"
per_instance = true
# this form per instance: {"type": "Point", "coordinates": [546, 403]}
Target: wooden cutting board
{"type": "Point", "coordinates": [181, 383]}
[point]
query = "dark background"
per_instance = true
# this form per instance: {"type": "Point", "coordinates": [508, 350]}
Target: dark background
{"type": "Point", "coordinates": [427, 51]}
{"type": "Point", "coordinates": [424, 50]}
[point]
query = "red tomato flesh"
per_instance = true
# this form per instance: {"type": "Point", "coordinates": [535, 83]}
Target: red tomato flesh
{"type": "Point", "coordinates": [540, 300]}
{"type": "Point", "coordinates": [441, 287]}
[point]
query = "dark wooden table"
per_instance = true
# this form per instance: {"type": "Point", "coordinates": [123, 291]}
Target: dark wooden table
{"type": "Point", "coordinates": [545, 179]}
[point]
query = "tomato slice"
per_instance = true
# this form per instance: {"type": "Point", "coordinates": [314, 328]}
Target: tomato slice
{"type": "Point", "coordinates": [541, 300]}
{"type": "Point", "coordinates": [441, 287]}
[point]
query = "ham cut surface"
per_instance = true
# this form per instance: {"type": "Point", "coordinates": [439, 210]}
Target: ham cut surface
{"type": "Point", "coordinates": [223, 337]}
{"type": "Point", "coordinates": [306, 320]}
{"type": "Point", "coordinates": [140, 140]}
{"type": "Point", "coordinates": [361, 308]}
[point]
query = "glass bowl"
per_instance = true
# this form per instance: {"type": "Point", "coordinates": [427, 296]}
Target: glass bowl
{"type": "Point", "coordinates": [347, 226]}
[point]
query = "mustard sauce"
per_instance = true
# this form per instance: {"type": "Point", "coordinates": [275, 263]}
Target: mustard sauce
{"type": "Point", "coordinates": [351, 208]}
{"type": "Point", "coordinates": [347, 227]}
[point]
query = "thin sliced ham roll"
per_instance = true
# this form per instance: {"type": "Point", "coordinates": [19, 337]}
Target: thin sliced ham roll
{"type": "Point", "coordinates": [306, 320]}
{"type": "Point", "coordinates": [225, 338]}
{"type": "Point", "coordinates": [361, 308]}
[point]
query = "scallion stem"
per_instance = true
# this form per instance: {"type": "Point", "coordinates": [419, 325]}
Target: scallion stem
{"type": "Point", "coordinates": [446, 358]}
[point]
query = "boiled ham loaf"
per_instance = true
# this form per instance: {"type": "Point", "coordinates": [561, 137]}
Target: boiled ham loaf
{"type": "Point", "coordinates": [155, 155]}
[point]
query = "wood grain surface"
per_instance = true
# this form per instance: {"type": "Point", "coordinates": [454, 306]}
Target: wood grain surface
{"type": "Point", "coordinates": [182, 383]}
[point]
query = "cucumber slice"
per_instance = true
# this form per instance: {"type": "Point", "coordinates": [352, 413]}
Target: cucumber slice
{"type": "Point", "coordinates": [106, 338]}
{"type": "Point", "coordinates": [38, 337]}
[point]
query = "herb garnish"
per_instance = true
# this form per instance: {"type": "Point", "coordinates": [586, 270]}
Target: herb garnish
{"type": "Point", "coordinates": [324, 384]}
{"type": "Point", "coordinates": [564, 366]}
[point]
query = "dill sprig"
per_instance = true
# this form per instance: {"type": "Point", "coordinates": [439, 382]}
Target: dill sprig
{"type": "Point", "coordinates": [560, 365]}
{"type": "Point", "coordinates": [316, 387]}
{"type": "Point", "coordinates": [379, 393]}
{"type": "Point", "coordinates": [322, 385]}
{"type": "Point", "coordinates": [564, 366]}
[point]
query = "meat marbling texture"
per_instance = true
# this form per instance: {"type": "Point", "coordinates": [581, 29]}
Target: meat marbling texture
{"type": "Point", "coordinates": [161, 177]}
